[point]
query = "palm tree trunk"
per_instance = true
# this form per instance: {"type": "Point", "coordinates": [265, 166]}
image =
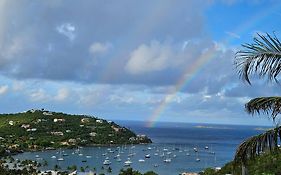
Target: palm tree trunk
{"type": "Point", "coordinates": [244, 169]}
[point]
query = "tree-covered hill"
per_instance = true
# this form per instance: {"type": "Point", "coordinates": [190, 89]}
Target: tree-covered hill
{"type": "Point", "coordinates": [41, 129]}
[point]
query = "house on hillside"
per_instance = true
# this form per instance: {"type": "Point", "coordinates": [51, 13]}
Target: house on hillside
{"type": "Point", "coordinates": [99, 121]}
{"type": "Point", "coordinates": [25, 126]}
{"type": "Point", "coordinates": [57, 133]}
{"type": "Point", "coordinates": [11, 122]}
{"type": "Point", "coordinates": [59, 120]}
{"type": "Point", "coordinates": [85, 120]}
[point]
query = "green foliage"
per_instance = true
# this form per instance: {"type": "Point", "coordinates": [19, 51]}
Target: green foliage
{"type": "Point", "coordinates": [265, 164]}
{"type": "Point", "coordinates": [130, 171]}
{"type": "Point", "coordinates": [73, 131]}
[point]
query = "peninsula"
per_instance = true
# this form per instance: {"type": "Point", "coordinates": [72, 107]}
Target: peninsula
{"type": "Point", "coordinates": [35, 130]}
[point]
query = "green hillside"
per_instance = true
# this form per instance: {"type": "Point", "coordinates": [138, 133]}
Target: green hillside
{"type": "Point", "coordinates": [40, 129]}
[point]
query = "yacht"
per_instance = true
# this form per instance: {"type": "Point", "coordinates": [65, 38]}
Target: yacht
{"type": "Point", "coordinates": [195, 149]}
{"type": "Point", "coordinates": [128, 162]}
{"type": "Point", "coordinates": [106, 162]}
{"type": "Point", "coordinates": [167, 160]}
{"type": "Point", "coordinates": [60, 159]}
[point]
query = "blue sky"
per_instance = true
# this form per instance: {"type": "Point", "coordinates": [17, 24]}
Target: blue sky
{"type": "Point", "coordinates": [122, 60]}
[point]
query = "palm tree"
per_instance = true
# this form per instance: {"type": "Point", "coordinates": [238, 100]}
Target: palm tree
{"type": "Point", "coordinates": [263, 59]}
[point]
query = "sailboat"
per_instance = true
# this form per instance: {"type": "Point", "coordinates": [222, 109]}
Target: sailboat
{"type": "Point", "coordinates": [128, 162]}
{"type": "Point", "coordinates": [106, 161]}
{"type": "Point", "coordinates": [197, 158]}
{"type": "Point", "coordinates": [61, 158]}
{"type": "Point", "coordinates": [211, 151]}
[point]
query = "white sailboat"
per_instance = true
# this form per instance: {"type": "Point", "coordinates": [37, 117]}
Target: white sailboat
{"type": "Point", "coordinates": [60, 158]}
{"type": "Point", "coordinates": [128, 162]}
{"type": "Point", "coordinates": [197, 157]}
{"type": "Point", "coordinates": [106, 162]}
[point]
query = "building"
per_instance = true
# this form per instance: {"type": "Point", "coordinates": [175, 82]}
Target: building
{"type": "Point", "coordinates": [57, 133]}
{"type": "Point", "coordinates": [11, 122]}
{"type": "Point", "coordinates": [85, 120]}
{"type": "Point", "coordinates": [92, 134]}
{"type": "Point", "coordinates": [59, 120]}
{"type": "Point", "coordinates": [99, 121]}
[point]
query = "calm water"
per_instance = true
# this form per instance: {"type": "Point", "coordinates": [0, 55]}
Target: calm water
{"type": "Point", "coordinates": [174, 141]}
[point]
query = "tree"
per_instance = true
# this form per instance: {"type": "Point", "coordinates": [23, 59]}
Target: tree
{"type": "Point", "coordinates": [261, 58]}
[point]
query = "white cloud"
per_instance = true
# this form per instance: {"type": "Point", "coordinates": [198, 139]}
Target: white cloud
{"type": "Point", "coordinates": [149, 58]}
{"type": "Point", "coordinates": [39, 95]}
{"type": "Point", "coordinates": [3, 89]}
{"type": "Point", "coordinates": [62, 94]}
{"type": "Point", "coordinates": [99, 48]}
{"type": "Point", "coordinates": [233, 35]}
{"type": "Point", "coordinates": [68, 30]}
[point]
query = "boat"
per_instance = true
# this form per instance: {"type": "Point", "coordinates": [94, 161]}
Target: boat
{"type": "Point", "coordinates": [206, 147]}
{"type": "Point", "coordinates": [106, 162]}
{"type": "Point", "coordinates": [195, 149]}
{"type": "Point", "coordinates": [147, 156]}
{"type": "Point", "coordinates": [141, 160]}
{"type": "Point", "coordinates": [167, 160]}
{"type": "Point", "coordinates": [60, 159]}
{"type": "Point", "coordinates": [65, 154]}
{"type": "Point", "coordinates": [118, 159]}
{"type": "Point", "coordinates": [197, 158]}
{"type": "Point", "coordinates": [80, 154]}
{"type": "Point", "coordinates": [128, 162]}
{"type": "Point", "coordinates": [188, 154]}
{"type": "Point", "coordinates": [156, 154]}
{"type": "Point", "coordinates": [53, 157]}
{"type": "Point", "coordinates": [88, 157]}
{"type": "Point", "coordinates": [149, 148]}
{"type": "Point", "coordinates": [37, 156]}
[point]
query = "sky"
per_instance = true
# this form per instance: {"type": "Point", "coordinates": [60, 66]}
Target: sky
{"type": "Point", "coordinates": [151, 60]}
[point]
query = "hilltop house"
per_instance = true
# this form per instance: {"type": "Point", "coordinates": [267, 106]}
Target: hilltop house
{"type": "Point", "coordinates": [31, 130]}
{"type": "Point", "coordinates": [99, 121]}
{"type": "Point", "coordinates": [92, 134]}
{"type": "Point", "coordinates": [57, 133]}
{"type": "Point", "coordinates": [47, 113]}
{"type": "Point", "coordinates": [85, 120]}
{"type": "Point", "coordinates": [59, 120]}
{"type": "Point", "coordinates": [11, 122]}
{"type": "Point", "coordinates": [25, 126]}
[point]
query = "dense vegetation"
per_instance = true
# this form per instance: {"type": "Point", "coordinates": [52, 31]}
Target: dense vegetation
{"type": "Point", "coordinates": [265, 164]}
{"type": "Point", "coordinates": [39, 129]}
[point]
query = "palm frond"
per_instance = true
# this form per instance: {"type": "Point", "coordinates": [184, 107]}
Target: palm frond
{"type": "Point", "coordinates": [266, 105]}
{"type": "Point", "coordinates": [262, 57]}
{"type": "Point", "coordinates": [257, 145]}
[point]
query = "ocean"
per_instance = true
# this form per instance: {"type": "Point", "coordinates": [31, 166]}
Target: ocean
{"type": "Point", "coordinates": [176, 148]}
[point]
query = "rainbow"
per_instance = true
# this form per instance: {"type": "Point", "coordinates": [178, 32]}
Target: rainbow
{"type": "Point", "coordinates": [193, 69]}
{"type": "Point", "coordinates": [188, 75]}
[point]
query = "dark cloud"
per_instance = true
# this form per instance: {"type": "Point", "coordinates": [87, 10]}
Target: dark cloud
{"type": "Point", "coordinates": [51, 40]}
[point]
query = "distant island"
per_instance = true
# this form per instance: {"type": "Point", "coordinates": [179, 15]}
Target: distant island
{"type": "Point", "coordinates": [35, 130]}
